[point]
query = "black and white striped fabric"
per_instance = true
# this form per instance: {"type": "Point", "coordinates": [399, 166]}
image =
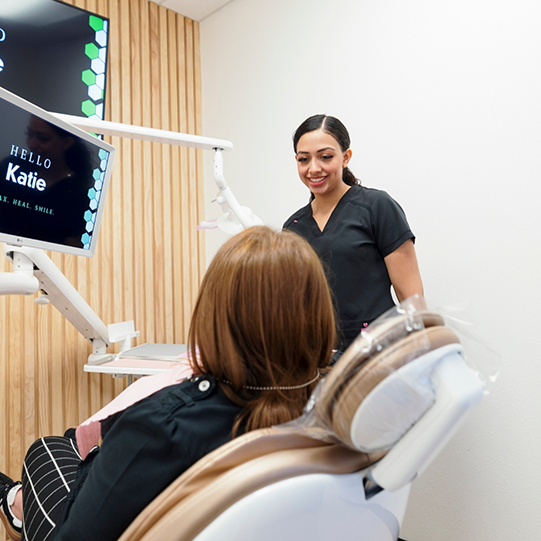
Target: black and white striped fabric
{"type": "Point", "coordinates": [48, 471]}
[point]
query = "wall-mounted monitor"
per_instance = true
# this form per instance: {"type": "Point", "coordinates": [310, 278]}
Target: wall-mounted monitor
{"type": "Point", "coordinates": [53, 179]}
{"type": "Point", "coordinates": [54, 55]}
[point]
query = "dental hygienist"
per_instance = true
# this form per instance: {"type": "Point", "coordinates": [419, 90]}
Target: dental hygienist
{"type": "Point", "coordinates": [361, 234]}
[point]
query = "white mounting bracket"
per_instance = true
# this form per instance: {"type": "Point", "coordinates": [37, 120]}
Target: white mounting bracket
{"type": "Point", "coordinates": [33, 270]}
{"type": "Point", "coordinates": [22, 280]}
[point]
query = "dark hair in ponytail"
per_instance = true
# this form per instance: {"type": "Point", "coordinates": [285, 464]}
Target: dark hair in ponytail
{"type": "Point", "coordinates": [335, 128]}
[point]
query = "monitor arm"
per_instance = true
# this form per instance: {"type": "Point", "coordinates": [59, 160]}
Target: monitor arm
{"type": "Point", "coordinates": [33, 270]}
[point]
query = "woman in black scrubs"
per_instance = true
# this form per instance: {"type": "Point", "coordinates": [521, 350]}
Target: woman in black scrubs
{"type": "Point", "coordinates": [361, 234]}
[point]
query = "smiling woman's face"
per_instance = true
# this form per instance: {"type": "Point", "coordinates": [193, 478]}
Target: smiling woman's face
{"type": "Point", "coordinates": [320, 162]}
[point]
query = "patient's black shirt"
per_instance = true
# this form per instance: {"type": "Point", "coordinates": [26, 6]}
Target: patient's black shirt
{"type": "Point", "coordinates": [145, 448]}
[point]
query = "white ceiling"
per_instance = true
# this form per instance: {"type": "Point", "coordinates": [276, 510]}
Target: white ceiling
{"type": "Point", "coordinates": [194, 9]}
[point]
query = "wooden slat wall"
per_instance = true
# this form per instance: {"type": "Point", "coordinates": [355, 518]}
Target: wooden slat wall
{"type": "Point", "coordinates": [150, 258]}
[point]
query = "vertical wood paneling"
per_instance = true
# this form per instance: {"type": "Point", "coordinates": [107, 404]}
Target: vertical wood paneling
{"type": "Point", "coordinates": [137, 47]}
{"type": "Point", "coordinates": [149, 260]}
{"type": "Point", "coordinates": [59, 347]}
{"type": "Point", "coordinates": [157, 195]}
{"type": "Point", "coordinates": [198, 129]}
{"type": "Point", "coordinates": [29, 383]}
{"type": "Point", "coordinates": [4, 395]}
{"type": "Point", "coordinates": [185, 283]}
{"type": "Point", "coordinates": [14, 378]}
{"type": "Point", "coordinates": [43, 380]}
{"type": "Point", "coordinates": [176, 230]}
{"type": "Point", "coordinates": [168, 176]}
{"type": "Point", "coordinates": [148, 211]}
{"type": "Point", "coordinates": [192, 155]}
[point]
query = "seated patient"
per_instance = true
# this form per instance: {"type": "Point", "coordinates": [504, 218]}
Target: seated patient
{"type": "Point", "coordinates": [263, 324]}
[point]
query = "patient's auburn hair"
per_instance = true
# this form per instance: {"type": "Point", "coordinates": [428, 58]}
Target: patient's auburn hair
{"type": "Point", "coordinates": [264, 318]}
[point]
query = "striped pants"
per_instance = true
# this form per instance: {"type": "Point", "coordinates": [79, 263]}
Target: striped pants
{"type": "Point", "coordinates": [48, 471]}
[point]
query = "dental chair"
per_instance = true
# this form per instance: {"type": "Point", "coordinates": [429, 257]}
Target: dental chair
{"type": "Point", "coordinates": [344, 469]}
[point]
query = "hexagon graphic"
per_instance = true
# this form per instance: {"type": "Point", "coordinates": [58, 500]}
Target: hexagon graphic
{"type": "Point", "coordinates": [93, 204]}
{"type": "Point", "coordinates": [91, 50]}
{"type": "Point", "coordinates": [97, 185]}
{"type": "Point", "coordinates": [98, 66]}
{"type": "Point", "coordinates": [88, 107]}
{"type": "Point", "coordinates": [85, 239]}
{"type": "Point", "coordinates": [95, 92]}
{"type": "Point", "coordinates": [101, 37]}
{"type": "Point", "coordinates": [90, 227]}
{"type": "Point", "coordinates": [95, 23]}
{"type": "Point", "coordinates": [103, 154]}
{"type": "Point", "coordinates": [103, 165]}
{"type": "Point", "coordinates": [88, 77]}
{"type": "Point", "coordinates": [100, 80]}
{"type": "Point", "coordinates": [88, 216]}
{"type": "Point", "coordinates": [95, 77]}
{"type": "Point", "coordinates": [91, 193]}
{"type": "Point", "coordinates": [96, 174]}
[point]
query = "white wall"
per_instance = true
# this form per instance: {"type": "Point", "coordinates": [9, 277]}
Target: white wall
{"type": "Point", "coordinates": [443, 103]}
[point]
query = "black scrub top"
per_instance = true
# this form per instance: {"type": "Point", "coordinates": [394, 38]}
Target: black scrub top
{"type": "Point", "coordinates": [365, 227]}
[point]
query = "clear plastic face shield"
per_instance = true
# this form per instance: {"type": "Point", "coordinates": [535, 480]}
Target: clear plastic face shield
{"type": "Point", "coordinates": [389, 377]}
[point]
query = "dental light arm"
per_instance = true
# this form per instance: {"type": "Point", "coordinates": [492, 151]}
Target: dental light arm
{"type": "Point", "coordinates": [245, 217]}
{"type": "Point", "coordinates": [242, 214]}
{"type": "Point", "coordinates": [141, 133]}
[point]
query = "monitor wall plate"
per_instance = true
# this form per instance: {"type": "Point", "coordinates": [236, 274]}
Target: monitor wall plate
{"type": "Point", "coordinates": [29, 223]}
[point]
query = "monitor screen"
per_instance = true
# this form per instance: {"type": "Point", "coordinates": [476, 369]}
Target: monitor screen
{"type": "Point", "coordinates": [53, 179]}
{"type": "Point", "coordinates": [54, 55]}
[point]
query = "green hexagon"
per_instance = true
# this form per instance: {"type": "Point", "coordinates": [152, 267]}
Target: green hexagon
{"type": "Point", "coordinates": [88, 107]}
{"type": "Point", "coordinates": [91, 193]}
{"type": "Point", "coordinates": [85, 239]}
{"type": "Point", "coordinates": [89, 77]}
{"type": "Point", "coordinates": [95, 23]}
{"type": "Point", "coordinates": [88, 216]}
{"type": "Point", "coordinates": [91, 50]}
